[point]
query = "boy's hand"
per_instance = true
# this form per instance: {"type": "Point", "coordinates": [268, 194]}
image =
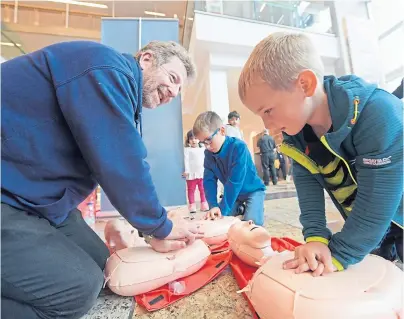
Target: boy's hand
{"type": "Point", "coordinates": [314, 256]}
{"type": "Point", "coordinates": [214, 213]}
{"type": "Point", "coordinates": [185, 175]}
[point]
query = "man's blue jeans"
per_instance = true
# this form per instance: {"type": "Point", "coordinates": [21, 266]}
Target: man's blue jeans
{"type": "Point", "coordinates": [254, 207]}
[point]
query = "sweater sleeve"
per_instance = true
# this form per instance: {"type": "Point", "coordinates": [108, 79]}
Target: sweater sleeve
{"type": "Point", "coordinates": [99, 107]}
{"type": "Point", "coordinates": [378, 140]}
{"type": "Point", "coordinates": [310, 195]}
{"type": "Point", "coordinates": [186, 160]}
{"type": "Point", "coordinates": [236, 178]}
{"type": "Point", "coordinates": [210, 184]}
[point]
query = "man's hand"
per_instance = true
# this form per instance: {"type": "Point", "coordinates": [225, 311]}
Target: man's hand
{"type": "Point", "coordinates": [213, 214]}
{"type": "Point", "coordinates": [314, 256]}
{"type": "Point", "coordinates": [165, 245]}
{"type": "Point", "coordinates": [184, 231]}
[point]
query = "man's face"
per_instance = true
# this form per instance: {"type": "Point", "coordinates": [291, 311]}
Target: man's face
{"type": "Point", "coordinates": [287, 111]}
{"type": "Point", "coordinates": [234, 121]}
{"type": "Point", "coordinates": [161, 83]}
{"type": "Point", "coordinates": [213, 140]}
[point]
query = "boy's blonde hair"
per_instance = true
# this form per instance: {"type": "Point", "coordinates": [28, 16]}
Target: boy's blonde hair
{"type": "Point", "coordinates": [207, 122]}
{"type": "Point", "coordinates": [278, 60]}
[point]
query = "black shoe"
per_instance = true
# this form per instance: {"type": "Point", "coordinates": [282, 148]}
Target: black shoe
{"type": "Point", "coordinates": [193, 212]}
{"type": "Point", "coordinates": [266, 184]}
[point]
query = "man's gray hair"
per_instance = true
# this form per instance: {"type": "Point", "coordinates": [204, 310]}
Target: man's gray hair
{"type": "Point", "coordinates": [207, 122]}
{"type": "Point", "coordinates": [164, 51]}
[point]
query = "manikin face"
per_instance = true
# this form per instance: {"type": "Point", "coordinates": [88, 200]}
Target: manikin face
{"type": "Point", "coordinates": [213, 140]}
{"type": "Point", "coordinates": [284, 110]}
{"type": "Point", "coordinates": [248, 233]}
{"type": "Point", "coordinates": [161, 83]}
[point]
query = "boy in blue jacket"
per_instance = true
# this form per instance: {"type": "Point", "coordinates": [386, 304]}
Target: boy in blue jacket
{"type": "Point", "coordinates": [228, 160]}
{"type": "Point", "coordinates": [345, 136]}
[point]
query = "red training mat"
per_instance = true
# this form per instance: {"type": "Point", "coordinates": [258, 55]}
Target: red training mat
{"type": "Point", "coordinates": [163, 297]}
{"type": "Point", "coordinates": [244, 273]}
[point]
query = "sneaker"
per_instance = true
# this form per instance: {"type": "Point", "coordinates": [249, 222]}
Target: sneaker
{"type": "Point", "coordinates": [204, 207]}
{"type": "Point", "coordinates": [192, 208]}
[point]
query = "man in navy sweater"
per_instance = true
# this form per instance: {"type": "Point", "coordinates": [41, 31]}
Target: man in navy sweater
{"type": "Point", "coordinates": [70, 119]}
{"type": "Point", "coordinates": [228, 160]}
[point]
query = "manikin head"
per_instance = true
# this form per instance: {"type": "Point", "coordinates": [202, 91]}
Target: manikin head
{"type": "Point", "coordinates": [247, 233]}
{"type": "Point", "coordinates": [234, 118]}
{"type": "Point", "coordinates": [282, 81]}
{"type": "Point", "coordinates": [166, 68]}
{"type": "Point", "coordinates": [209, 129]}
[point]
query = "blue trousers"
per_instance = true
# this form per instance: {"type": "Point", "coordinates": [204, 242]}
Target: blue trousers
{"type": "Point", "coordinates": [254, 207]}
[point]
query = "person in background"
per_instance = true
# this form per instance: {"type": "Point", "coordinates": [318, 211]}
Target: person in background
{"type": "Point", "coordinates": [71, 119]}
{"type": "Point", "coordinates": [282, 163]}
{"type": "Point", "coordinates": [233, 126]}
{"type": "Point", "coordinates": [228, 160]}
{"type": "Point", "coordinates": [290, 172]}
{"type": "Point", "coordinates": [267, 147]}
{"type": "Point", "coordinates": [194, 156]}
{"type": "Point", "coordinates": [345, 136]}
{"type": "Point", "coordinates": [399, 91]}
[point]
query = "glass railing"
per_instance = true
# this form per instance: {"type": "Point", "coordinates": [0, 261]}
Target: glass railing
{"type": "Point", "coordinates": [309, 15]}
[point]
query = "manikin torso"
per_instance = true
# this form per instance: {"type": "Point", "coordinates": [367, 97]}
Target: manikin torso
{"type": "Point", "coordinates": [371, 289]}
{"type": "Point", "coordinates": [136, 268]}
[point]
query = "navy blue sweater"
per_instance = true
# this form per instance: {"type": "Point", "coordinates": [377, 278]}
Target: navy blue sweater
{"type": "Point", "coordinates": [68, 123]}
{"type": "Point", "coordinates": [234, 167]}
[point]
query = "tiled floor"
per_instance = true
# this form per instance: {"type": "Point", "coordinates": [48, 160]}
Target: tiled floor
{"type": "Point", "coordinates": [219, 299]}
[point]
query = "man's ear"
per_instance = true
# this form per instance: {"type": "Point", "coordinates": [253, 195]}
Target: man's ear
{"type": "Point", "coordinates": [146, 59]}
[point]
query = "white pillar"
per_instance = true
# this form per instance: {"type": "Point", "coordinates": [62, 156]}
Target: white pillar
{"type": "Point", "coordinates": [218, 96]}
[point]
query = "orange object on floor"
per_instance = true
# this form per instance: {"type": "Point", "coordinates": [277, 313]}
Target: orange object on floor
{"type": "Point", "coordinates": [244, 273]}
{"type": "Point", "coordinates": [163, 297]}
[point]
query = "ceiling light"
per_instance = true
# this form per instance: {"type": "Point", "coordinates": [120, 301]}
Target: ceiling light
{"type": "Point", "coordinates": [152, 13]}
{"type": "Point", "coordinates": [262, 7]}
{"type": "Point", "coordinates": [80, 3]}
{"type": "Point", "coordinates": [175, 16]}
{"type": "Point", "coordinates": [10, 44]}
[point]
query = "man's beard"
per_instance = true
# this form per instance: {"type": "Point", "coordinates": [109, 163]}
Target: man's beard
{"type": "Point", "coordinates": [148, 91]}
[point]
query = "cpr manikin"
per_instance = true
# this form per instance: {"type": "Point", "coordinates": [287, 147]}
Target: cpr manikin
{"type": "Point", "coordinates": [136, 268]}
{"type": "Point", "coordinates": [250, 242]}
{"type": "Point", "coordinates": [371, 289]}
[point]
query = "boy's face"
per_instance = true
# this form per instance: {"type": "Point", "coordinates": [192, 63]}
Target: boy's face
{"type": "Point", "coordinates": [288, 111]}
{"type": "Point", "coordinates": [234, 121]}
{"type": "Point", "coordinates": [213, 140]}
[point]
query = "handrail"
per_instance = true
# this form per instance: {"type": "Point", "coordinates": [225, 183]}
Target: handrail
{"type": "Point", "coordinates": [15, 44]}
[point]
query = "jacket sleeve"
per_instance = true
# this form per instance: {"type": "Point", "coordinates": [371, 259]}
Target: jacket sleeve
{"type": "Point", "coordinates": [235, 182]}
{"type": "Point", "coordinates": [210, 184]}
{"type": "Point", "coordinates": [99, 107]}
{"type": "Point", "coordinates": [310, 195]}
{"type": "Point", "coordinates": [378, 141]}
{"type": "Point", "coordinates": [186, 160]}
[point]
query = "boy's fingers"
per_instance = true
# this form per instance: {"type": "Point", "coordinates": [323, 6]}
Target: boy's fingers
{"type": "Point", "coordinates": [319, 271]}
{"type": "Point", "coordinates": [291, 264]}
{"type": "Point", "coordinates": [312, 262]}
{"type": "Point", "coordinates": [302, 268]}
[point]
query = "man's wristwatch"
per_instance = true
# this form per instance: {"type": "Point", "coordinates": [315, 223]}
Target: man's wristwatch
{"type": "Point", "coordinates": [148, 238]}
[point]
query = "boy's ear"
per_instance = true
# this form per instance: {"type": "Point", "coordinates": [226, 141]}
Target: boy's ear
{"type": "Point", "coordinates": [307, 81]}
{"type": "Point", "coordinates": [223, 130]}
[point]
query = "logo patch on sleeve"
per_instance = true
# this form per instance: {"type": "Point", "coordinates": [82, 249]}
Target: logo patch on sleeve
{"type": "Point", "coordinates": [377, 161]}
